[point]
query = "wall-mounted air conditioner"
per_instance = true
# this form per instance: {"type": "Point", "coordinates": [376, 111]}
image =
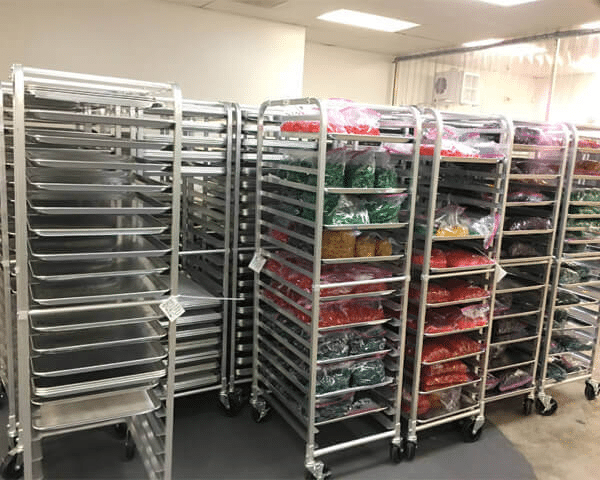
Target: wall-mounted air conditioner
{"type": "Point", "coordinates": [455, 86]}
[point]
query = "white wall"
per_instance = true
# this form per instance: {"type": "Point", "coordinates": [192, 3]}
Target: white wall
{"type": "Point", "coordinates": [213, 56]}
{"type": "Point", "coordinates": [342, 73]}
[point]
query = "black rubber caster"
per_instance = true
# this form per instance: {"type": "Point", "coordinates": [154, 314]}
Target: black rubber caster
{"type": "Point", "coordinates": [12, 466]}
{"type": "Point", "coordinates": [546, 412]}
{"type": "Point", "coordinates": [410, 450]}
{"type": "Point", "coordinates": [590, 391]}
{"type": "Point", "coordinates": [527, 406]}
{"type": "Point", "coordinates": [121, 430]}
{"type": "Point", "coordinates": [2, 396]}
{"type": "Point", "coordinates": [467, 432]}
{"type": "Point", "coordinates": [395, 453]}
{"type": "Point", "coordinates": [235, 401]}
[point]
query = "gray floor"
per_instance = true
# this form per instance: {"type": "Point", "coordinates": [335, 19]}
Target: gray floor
{"type": "Point", "coordinates": [211, 446]}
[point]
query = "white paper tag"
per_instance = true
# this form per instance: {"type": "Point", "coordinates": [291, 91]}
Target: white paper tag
{"type": "Point", "coordinates": [501, 274]}
{"type": "Point", "coordinates": [257, 263]}
{"type": "Point", "coordinates": [172, 308]}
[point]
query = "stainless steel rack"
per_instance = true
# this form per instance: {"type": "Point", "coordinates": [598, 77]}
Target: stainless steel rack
{"type": "Point", "coordinates": [571, 327]}
{"type": "Point", "coordinates": [471, 178]}
{"type": "Point", "coordinates": [202, 332]}
{"type": "Point", "coordinates": [239, 347]}
{"type": "Point", "coordinates": [289, 328]}
{"type": "Point", "coordinates": [531, 216]}
{"type": "Point", "coordinates": [91, 264]}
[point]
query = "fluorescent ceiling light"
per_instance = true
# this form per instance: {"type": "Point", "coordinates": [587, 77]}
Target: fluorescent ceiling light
{"type": "Point", "coordinates": [482, 43]}
{"type": "Point", "coordinates": [590, 26]}
{"type": "Point", "coordinates": [366, 20]}
{"type": "Point", "coordinates": [508, 3]}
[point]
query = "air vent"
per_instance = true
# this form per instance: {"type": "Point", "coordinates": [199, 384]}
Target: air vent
{"type": "Point", "coordinates": [262, 3]}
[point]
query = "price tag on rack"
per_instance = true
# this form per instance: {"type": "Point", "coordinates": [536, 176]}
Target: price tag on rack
{"type": "Point", "coordinates": [257, 263]}
{"type": "Point", "coordinates": [172, 308]}
{"type": "Point", "coordinates": [501, 274]}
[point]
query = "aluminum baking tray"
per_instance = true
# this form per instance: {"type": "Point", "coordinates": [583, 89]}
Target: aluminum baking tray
{"type": "Point", "coordinates": [140, 375]}
{"type": "Point", "coordinates": [77, 117]}
{"type": "Point", "coordinates": [79, 138]}
{"type": "Point", "coordinates": [94, 204]}
{"type": "Point", "coordinates": [88, 159]}
{"type": "Point", "coordinates": [72, 321]}
{"type": "Point", "coordinates": [94, 291]}
{"type": "Point", "coordinates": [66, 225]}
{"type": "Point", "coordinates": [97, 248]}
{"type": "Point", "coordinates": [74, 412]}
{"type": "Point", "coordinates": [81, 270]}
{"type": "Point", "coordinates": [66, 182]}
{"type": "Point", "coordinates": [94, 338]}
{"type": "Point", "coordinates": [336, 261]}
{"type": "Point", "coordinates": [72, 363]}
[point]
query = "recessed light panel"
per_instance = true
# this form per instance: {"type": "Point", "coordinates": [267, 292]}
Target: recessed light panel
{"type": "Point", "coordinates": [507, 3]}
{"type": "Point", "coordinates": [367, 20]}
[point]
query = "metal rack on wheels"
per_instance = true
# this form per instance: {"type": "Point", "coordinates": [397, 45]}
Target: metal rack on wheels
{"type": "Point", "coordinates": [207, 152]}
{"type": "Point", "coordinates": [242, 248]}
{"type": "Point", "coordinates": [460, 194]}
{"type": "Point", "coordinates": [90, 272]}
{"type": "Point", "coordinates": [527, 235]}
{"type": "Point", "coordinates": [333, 242]}
{"type": "Point", "coordinates": [8, 373]}
{"type": "Point", "coordinates": [571, 327]}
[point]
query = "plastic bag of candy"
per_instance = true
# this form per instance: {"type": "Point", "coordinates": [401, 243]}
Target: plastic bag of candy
{"type": "Point", "coordinates": [385, 171]}
{"type": "Point", "coordinates": [367, 340]}
{"type": "Point", "coordinates": [366, 245]}
{"type": "Point", "coordinates": [456, 258]}
{"type": "Point", "coordinates": [525, 195]}
{"type": "Point", "coordinates": [366, 373]}
{"type": "Point", "coordinates": [333, 378]}
{"type": "Point", "coordinates": [529, 223]}
{"type": "Point", "coordinates": [435, 293]}
{"type": "Point", "coordinates": [333, 407]}
{"type": "Point", "coordinates": [347, 212]}
{"type": "Point", "coordinates": [437, 260]}
{"type": "Point", "coordinates": [335, 118]}
{"type": "Point", "coordinates": [384, 208]}
{"type": "Point", "coordinates": [424, 404]}
{"type": "Point", "coordinates": [360, 169]}
{"type": "Point", "coordinates": [512, 380]}
{"type": "Point", "coordinates": [454, 366]}
{"type": "Point", "coordinates": [338, 244]}
{"type": "Point", "coordinates": [450, 222]}
{"type": "Point", "coordinates": [360, 120]}
{"type": "Point", "coordinates": [435, 382]}
{"type": "Point", "coordinates": [333, 344]}
{"type": "Point", "coordinates": [461, 289]}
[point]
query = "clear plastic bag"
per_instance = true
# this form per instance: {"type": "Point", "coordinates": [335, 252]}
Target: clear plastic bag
{"type": "Point", "coordinates": [333, 345]}
{"type": "Point", "coordinates": [360, 120]}
{"type": "Point", "coordinates": [335, 118]}
{"type": "Point", "coordinates": [519, 249]}
{"type": "Point", "coordinates": [514, 379]}
{"type": "Point", "coordinates": [435, 293]}
{"type": "Point", "coordinates": [384, 208]}
{"type": "Point", "coordinates": [367, 340]}
{"type": "Point", "coordinates": [529, 223]}
{"type": "Point", "coordinates": [366, 246]}
{"type": "Point", "coordinates": [438, 258]}
{"type": "Point", "coordinates": [385, 172]}
{"type": "Point", "coordinates": [454, 366]}
{"type": "Point", "coordinates": [463, 258]}
{"type": "Point", "coordinates": [334, 378]}
{"type": "Point", "coordinates": [366, 373]}
{"type": "Point", "coordinates": [443, 380]}
{"type": "Point", "coordinates": [463, 290]}
{"type": "Point", "coordinates": [450, 222]}
{"type": "Point", "coordinates": [346, 212]}
{"type": "Point", "coordinates": [525, 195]}
{"type": "Point", "coordinates": [338, 244]}
{"type": "Point", "coordinates": [360, 169]}
{"type": "Point", "coordinates": [333, 407]}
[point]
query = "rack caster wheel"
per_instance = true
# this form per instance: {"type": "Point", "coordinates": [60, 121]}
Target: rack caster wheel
{"type": "Point", "coordinates": [410, 450]}
{"type": "Point", "coordinates": [121, 430]}
{"type": "Point", "coordinates": [395, 453]}
{"type": "Point", "coordinates": [527, 406]}
{"type": "Point", "coordinates": [129, 450]}
{"type": "Point", "coordinates": [467, 432]}
{"type": "Point", "coordinates": [308, 475]}
{"type": "Point", "coordinates": [260, 415]}
{"type": "Point", "coordinates": [591, 392]}
{"type": "Point", "coordinates": [546, 411]}
{"type": "Point", "coordinates": [12, 466]}
{"type": "Point", "coordinates": [2, 395]}
{"type": "Point", "coordinates": [234, 403]}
